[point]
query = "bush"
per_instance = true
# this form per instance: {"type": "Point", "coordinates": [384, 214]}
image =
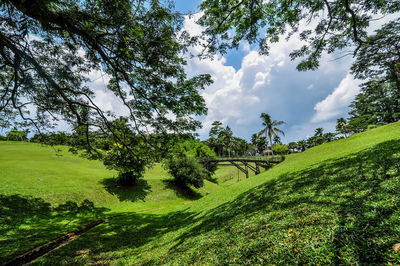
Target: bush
{"type": "Point", "coordinates": [186, 171]}
{"type": "Point", "coordinates": [197, 150]}
{"type": "Point", "coordinates": [280, 149]}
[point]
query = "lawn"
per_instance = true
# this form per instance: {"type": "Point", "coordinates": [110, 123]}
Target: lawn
{"type": "Point", "coordinates": [337, 203]}
{"type": "Point", "coordinates": [46, 192]}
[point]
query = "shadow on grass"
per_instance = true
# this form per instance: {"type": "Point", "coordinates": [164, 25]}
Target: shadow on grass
{"type": "Point", "coordinates": [134, 193]}
{"type": "Point", "coordinates": [119, 237]}
{"type": "Point", "coordinates": [361, 192]}
{"type": "Point", "coordinates": [343, 211]}
{"type": "Point", "coordinates": [183, 192]}
{"type": "Point", "coordinates": [26, 222]}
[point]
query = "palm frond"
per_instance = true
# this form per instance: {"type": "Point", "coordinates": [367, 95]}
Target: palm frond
{"type": "Point", "coordinates": [262, 131]}
{"type": "Point", "coordinates": [279, 130]}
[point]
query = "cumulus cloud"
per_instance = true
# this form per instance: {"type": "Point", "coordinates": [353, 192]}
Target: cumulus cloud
{"type": "Point", "coordinates": [336, 103]}
{"type": "Point", "coordinates": [236, 93]}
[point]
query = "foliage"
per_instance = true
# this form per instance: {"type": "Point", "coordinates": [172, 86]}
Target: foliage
{"type": "Point", "coordinates": [186, 170]}
{"type": "Point", "coordinates": [195, 149]}
{"type": "Point", "coordinates": [341, 126]}
{"type": "Point", "coordinates": [270, 127]}
{"type": "Point", "coordinates": [338, 24]}
{"type": "Point", "coordinates": [130, 158]}
{"type": "Point", "coordinates": [378, 63]}
{"type": "Point", "coordinates": [292, 146]}
{"type": "Point", "coordinates": [223, 142]}
{"type": "Point", "coordinates": [50, 48]}
{"type": "Point", "coordinates": [214, 141]}
{"type": "Point", "coordinates": [378, 100]}
{"type": "Point", "coordinates": [378, 57]}
{"type": "Point", "coordinates": [260, 142]}
{"type": "Point", "coordinates": [280, 149]}
{"type": "Point", "coordinates": [187, 155]}
{"type": "Point", "coordinates": [17, 135]}
{"type": "Point", "coordinates": [54, 138]}
{"type": "Point", "coordinates": [319, 138]}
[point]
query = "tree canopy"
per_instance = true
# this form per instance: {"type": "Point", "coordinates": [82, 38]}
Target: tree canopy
{"type": "Point", "coordinates": [48, 49]}
{"type": "Point", "coordinates": [335, 24]}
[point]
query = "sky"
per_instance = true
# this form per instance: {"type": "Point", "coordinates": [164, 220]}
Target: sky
{"type": "Point", "coordinates": [247, 84]}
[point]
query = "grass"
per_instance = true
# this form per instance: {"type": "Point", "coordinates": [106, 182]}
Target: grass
{"type": "Point", "coordinates": [338, 203]}
{"type": "Point", "coordinates": [44, 193]}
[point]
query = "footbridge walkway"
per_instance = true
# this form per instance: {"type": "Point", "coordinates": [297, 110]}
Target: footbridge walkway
{"type": "Point", "coordinates": [244, 164]}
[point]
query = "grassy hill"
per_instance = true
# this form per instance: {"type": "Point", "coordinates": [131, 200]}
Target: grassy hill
{"type": "Point", "coordinates": [338, 203]}
{"type": "Point", "coordinates": [46, 191]}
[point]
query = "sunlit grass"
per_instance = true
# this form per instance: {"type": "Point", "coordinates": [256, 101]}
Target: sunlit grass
{"type": "Point", "coordinates": [338, 203]}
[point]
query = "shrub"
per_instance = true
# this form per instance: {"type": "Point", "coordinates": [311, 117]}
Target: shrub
{"type": "Point", "coordinates": [186, 170]}
{"type": "Point", "coordinates": [280, 149]}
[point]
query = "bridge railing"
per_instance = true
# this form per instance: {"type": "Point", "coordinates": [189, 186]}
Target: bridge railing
{"type": "Point", "coordinates": [270, 158]}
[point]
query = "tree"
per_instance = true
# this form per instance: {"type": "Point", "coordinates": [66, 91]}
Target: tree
{"type": "Point", "coordinates": [48, 49]}
{"type": "Point", "coordinates": [338, 24]}
{"type": "Point", "coordinates": [379, 56]}
{"type": "Point", "coordinates": [328, 137]}
{"type": "Point", "coordinates": [379, 100]}
{"type": "Point", "coordinates": [216, 129]}
{"type": "Point", "coordinates": [260, 142]}
{"type": "Point", "coordinates": [277, 140]}
{"type": "Point", "coordinates": [17, 135]}
{"type": "Point", "coordinates": [280, 149]}
{"type": "Point", "coordinates": [302, 145]}
{"type": "Point", "coordinates": [270, 127]}
{"type": "Point", "coordinates": [226, 136]}
{"type": "Point", "coordinates": [292, 146]}
{"type": "Point", "coordinates": [341, 126]}
{"type": "Point", "coordinates": [319, 132]}
{"type": "Point", "coordinates": [215, 141]}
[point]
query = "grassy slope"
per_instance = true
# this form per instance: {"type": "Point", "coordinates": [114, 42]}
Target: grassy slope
{"type": "Point", "coordinates": [42, 194]}
{"type": "Point", "coordinates": [336, 203]}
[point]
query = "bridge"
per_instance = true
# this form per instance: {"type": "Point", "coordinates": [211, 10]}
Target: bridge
{"type": "Point", "coordinates": [244, 164]}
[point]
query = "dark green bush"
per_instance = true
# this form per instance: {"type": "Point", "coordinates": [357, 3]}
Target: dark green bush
{"type": "Point", "coordinates": [186, 171]}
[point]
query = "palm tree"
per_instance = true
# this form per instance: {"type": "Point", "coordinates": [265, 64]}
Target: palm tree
{"type": "Point", "coordinates": [319, 132]}
{"type": "Point", "coordinates": [341, 124]}
{"type": "Point", "coordinates": [270, 127]}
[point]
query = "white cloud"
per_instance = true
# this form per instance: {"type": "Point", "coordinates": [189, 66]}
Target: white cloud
{"type": "Point", "coordinates": [234, 93]}
{"type": "Point", "coordinates": [104, 98]}
{"type": "Point", "coordinates": [336, 103]}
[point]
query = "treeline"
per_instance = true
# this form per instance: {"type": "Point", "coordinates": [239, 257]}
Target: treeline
{"type": "Point", "coordinates": [53, 138]}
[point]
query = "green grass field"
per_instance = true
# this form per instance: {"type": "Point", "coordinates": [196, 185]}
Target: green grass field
{"type": "Point", "coordinates": [46, 192]}
{"type": "Point", "coordinates": [338, 203]}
